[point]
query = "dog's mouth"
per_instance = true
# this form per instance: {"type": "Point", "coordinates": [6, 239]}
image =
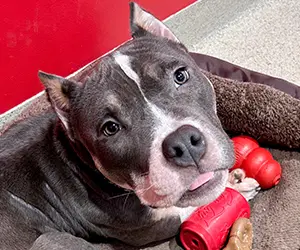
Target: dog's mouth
{"type": "Point", "coordinates": [205, 188]}
{"type": "Point", "coordinates": [201, 180]}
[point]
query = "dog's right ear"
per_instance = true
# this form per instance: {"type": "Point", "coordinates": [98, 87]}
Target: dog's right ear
{"type": "Point", "coordinates": [59, 91]}
{"type": "Point", "coordinates": [142, 23]}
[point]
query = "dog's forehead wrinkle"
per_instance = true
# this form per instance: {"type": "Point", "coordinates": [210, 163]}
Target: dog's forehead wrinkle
{"type": "Point", "coordinates": [98, 74]}
{"type": "Point", "coordinates": [155, 60]}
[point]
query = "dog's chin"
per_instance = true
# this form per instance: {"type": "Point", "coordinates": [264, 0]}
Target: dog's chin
{"type": "Point", "coordinates": [206, 193]}
{"type": "Point", "coordinates": [200, 196]}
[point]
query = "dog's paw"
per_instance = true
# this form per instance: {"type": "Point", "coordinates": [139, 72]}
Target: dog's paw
{"type": "Point", "coordinates": [248, 187]}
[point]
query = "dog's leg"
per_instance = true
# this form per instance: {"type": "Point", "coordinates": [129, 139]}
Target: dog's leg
{"type": "Point", "coordinates": [63, 241]}
{"type": "Point", "coordinates": [167, 225]}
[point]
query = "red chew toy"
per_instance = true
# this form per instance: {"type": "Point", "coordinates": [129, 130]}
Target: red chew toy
{"type": "Point", "coordinates": [207, 228]}
{"type": "Point", "coordinates": [257, 162]}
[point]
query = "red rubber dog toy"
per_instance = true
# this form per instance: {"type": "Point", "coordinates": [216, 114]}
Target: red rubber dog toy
{"type": "Point", "coordinates": [207, 228]}
{"type": "Point", "coordinates": [257, 162]}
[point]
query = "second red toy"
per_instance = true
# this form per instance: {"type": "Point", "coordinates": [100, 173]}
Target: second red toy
{"type": "Point", "coordinates": [257, 162]}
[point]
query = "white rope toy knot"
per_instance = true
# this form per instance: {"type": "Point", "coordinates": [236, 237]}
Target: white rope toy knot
{"type": "Point", "coordinates": [248, 187]}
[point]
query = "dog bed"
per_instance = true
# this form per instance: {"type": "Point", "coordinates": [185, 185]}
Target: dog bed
{"type": "Point", "coordinates": [261, 106]}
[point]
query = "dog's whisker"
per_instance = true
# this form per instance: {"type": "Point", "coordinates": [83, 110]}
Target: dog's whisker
{"type": "Point", "coordinates": [120, 195]}
{"type": "Point", "coordinates": [142, 190]}
{"type": "Point", "coordinates": [145, 189]}
{"type": "Point", "coordinates": [125, 201]}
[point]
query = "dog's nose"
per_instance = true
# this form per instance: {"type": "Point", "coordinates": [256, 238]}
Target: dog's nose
{"type": "Point", "coordinates": [185, 146]}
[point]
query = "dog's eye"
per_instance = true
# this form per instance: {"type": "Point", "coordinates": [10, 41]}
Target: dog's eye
{"type": "Point", "coordinates": [181, 76]}
{"type": "Point", "coordinates": [110, 128]}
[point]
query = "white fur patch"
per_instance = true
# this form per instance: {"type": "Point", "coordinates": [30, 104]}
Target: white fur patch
{"type": "Point", "coordinates": [113, 100]}
{"type": "Point", "coordinates": [182, 212]}
{"type": "Point", "coordinates": [125, 64]}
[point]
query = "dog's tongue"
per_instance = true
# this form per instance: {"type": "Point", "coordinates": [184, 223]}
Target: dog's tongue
{"type": "Point", "coordinates": [202, 178]}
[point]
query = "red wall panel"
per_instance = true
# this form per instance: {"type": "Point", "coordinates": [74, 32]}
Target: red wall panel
{"type": "Point", "coordinates": [60, 36]}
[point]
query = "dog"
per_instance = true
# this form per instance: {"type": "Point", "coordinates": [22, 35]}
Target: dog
{"type": "Point", "coordinates": [126, 155]}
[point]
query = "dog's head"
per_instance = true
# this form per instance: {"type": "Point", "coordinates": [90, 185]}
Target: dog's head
{"type": "Point", "coordinates": [147, 116]}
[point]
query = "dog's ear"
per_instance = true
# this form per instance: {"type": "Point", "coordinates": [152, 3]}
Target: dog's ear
{"type": "Point", "coordinates": [59, 91]}
{"type": "Point", "coordinates": [143, 23]}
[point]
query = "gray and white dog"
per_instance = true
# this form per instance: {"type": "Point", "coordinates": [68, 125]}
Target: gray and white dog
{"type": "Point", "coordinates": [126, 156]}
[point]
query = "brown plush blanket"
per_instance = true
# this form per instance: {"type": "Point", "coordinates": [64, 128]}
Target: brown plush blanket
{"type": "Point", "coordinates": [267, 109]}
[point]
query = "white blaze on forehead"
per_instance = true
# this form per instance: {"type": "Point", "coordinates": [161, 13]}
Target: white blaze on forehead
{"type": "Point", "coordinates": [124, 62]}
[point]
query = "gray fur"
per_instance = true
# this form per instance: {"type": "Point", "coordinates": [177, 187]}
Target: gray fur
{"type": "Point", "coordinates": [65, 184]}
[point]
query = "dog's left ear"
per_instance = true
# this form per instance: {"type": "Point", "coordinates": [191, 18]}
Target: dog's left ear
{"type": "Point", "coordinates": [59, 91]}
{"type": "Point", "coordinates": [143, 23]}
